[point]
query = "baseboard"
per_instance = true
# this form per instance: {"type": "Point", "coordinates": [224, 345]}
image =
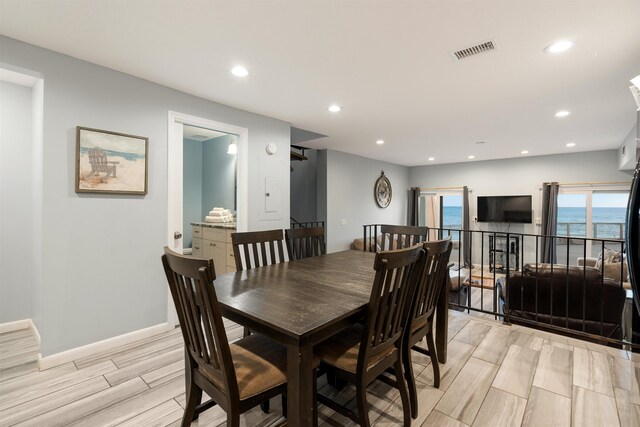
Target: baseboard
{"type": "Point", "coordinates": [15, 326]}
{"type": "Point", "coordinates": [34, 331]}
{"type": "Point", "coordinates": [97, 347]}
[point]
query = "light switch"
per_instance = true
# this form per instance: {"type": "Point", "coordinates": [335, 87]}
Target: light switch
{"type": "Point", "coordinates": [343, 221]}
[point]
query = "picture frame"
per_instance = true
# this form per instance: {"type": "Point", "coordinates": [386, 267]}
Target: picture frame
{"type": "Point", "coordinates": [111, 162]}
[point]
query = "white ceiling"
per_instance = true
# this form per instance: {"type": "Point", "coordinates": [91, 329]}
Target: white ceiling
{"type": "Point", "coordinates": [387, 63]}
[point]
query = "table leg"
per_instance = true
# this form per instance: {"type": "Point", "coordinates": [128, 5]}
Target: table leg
{"type": "Point", "coordinates": [442, 320]}
{"type": "Point", "coordinates": [300, 385]}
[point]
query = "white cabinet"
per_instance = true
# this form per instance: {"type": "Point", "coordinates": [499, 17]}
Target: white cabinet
{"type": "Point", "coordinates": [214, 243]}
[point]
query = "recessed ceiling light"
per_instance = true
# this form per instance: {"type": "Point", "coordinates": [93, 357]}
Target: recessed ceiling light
{"type": "Point", "coordinates": [559, 46]}
{"type": "Point", "coordinates": [480, 142]}
{"type": "Point", "coordinates": [380, 142]}
{"type": "Point", "coordinates": [335, 108]}
{"type": "Point", "coordinates": [562, 113]}
{"type": "Point", "coordinates": [431, 159]}
{"type": "Point", "coordinates": [571, 144]}
{"type": "Point", "coordinates": [524, 152]}
{"type": "Point", "coordinates": [472, 157]}
{"type": "Point", "coordinates": [240, 71]}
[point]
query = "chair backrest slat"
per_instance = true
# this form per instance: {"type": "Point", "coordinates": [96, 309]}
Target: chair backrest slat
{"type": "Point", "coordinates": [432, 278]}
{"type": "Point", "coordinates": [401, 236]}
{"type": "Point", "coordinates": [191, 284]}
{"type": "Point", "coordinates": [397, 275]}
{"type": "Point", "coordinates": [305, 242]}
{"type": "Point", "coordinates": [254, 245]}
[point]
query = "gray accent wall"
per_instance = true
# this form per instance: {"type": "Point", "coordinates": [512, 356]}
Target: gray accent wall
{"type": "Point", "coordinates": [192, 187]}
{"type": "Point", "coordinates": [102, 275]}
{"type": "Point", "coordinates": [16, 203]}
{"type": "Point", "coordinates": [349, 187]}
{"type": "Point", "coordinates": [218, 171]}
{"type": "Point", "coordinates": [304, 188]}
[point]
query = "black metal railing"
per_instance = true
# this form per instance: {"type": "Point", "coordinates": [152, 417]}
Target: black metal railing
{"type": "Point", "coordinates": [306, 224]}
{"type": "Point", "coordinates": [505, 277]}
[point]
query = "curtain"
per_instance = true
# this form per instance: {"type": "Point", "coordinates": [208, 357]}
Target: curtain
{"type": "Point", "coordinates": [413, 207]}
{"type": "Point", "coordinates": [466, 234]}
{"type": "Point", "coordinates": [432, 214]}
{"type": "Point", "coordinates": [549, 221]}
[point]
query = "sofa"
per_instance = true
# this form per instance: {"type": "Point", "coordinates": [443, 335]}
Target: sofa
{"type": "Point", "coordinates": [603, 299]}
{"type": "Point", "coordinates": [611, 265]}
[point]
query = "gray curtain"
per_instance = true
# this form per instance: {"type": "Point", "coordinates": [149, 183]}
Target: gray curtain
{"type": "Point", "coordinates": [413, 207]}
{"type": "Point", "coordinates": [466, 235]}
{"type": "Point", "coordinates": [549, 221]}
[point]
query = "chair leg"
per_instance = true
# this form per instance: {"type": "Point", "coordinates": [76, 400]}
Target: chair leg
{"type": "Point", "coordinates": [434, 359]}
{"type": "Point", "coordinates": [285, 411]}
{"type": "Point", "coordinates": [194, 396]}
{"type": "Point", "coordinates": [246, 332]}
{"type": "Point", "coordinates": [404, 396]}
{"type": "Point", "coordinates": [411, 381]}
{"type": "Point", "coordinates": [233, 419]}
{"type": "Point", "coordinates": [315, 398]}
{"type": "Point", "coordinates": [363, 407]}
{"type": "Point", "coordinates": [265, 406]}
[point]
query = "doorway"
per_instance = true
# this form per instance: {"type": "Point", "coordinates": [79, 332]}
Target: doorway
{"type": "Point", "coordinates": [176, 178]}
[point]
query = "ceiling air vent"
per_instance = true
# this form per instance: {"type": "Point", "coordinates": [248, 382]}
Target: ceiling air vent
{"type": "Point", "coordinates": [473, 50]}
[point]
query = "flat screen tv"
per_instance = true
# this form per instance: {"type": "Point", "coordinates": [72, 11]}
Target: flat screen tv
{"type": "Point", "coordinates": [504, 209]}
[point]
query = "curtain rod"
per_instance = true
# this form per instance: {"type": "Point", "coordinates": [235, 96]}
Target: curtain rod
{"type": "Point", "coordinates": [565, 184]}
{"type": "Point", "coordinates": [439, 188]}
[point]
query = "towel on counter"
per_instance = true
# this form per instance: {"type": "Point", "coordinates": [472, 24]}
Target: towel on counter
{"type": "Point", "coordinates": [219, 212]}
{"type": "Point", "coordinates": [218, 219]}
{"type": "Point", "coordinates": [216, 213]}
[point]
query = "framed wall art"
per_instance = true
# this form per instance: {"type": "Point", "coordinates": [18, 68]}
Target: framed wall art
{"type": "Point", "coordinates": [110, 162]}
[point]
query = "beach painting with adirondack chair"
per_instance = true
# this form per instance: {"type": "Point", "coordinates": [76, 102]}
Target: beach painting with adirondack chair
{"type": "Point", "coordinates": [110, 162]}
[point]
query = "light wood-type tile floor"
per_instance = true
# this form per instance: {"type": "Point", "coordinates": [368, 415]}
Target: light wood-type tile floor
{"type": "Point", "coordinates": [496, 375]}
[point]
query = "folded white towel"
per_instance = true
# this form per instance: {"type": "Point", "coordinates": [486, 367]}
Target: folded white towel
{"type": "Point", "coordinates": [217, 209]}
{"type": "Point", "coordinates": [216, 219]}
{"type": "Point", "coordinates": [216, 213]}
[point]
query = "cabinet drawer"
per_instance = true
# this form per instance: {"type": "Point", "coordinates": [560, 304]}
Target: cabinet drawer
{"type": "Point", "coordinates": [217, 234]}
{"type": "Point", "coordinates": [196, 246]}
{"type": "Point", "coordinates": [196, 230]}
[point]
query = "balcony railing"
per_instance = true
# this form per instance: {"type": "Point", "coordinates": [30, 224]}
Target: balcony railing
{"type": "Point", "coordinates": [562, 296]}
{"type": "Point", "coordinates": [599, 230]}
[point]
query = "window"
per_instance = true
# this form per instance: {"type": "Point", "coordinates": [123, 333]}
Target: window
{"type": "Point", "coordinates": [591, 213]}
{"type": "Point", "coordinates": [441, 210]}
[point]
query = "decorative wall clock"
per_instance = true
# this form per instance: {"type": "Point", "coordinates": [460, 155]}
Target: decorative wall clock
{"type": "Point", "coordinates": [382, 191]}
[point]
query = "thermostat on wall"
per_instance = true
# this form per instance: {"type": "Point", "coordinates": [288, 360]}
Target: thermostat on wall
{"type": "Point", "coordinates": [271, 148]}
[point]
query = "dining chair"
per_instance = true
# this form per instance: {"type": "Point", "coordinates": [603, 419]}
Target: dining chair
{"type": "Point", "coordinates": [252, 248]}
{"type": "Point", "coordinates": [401, 236]}
{"type": "Point", "coordinates": [424, 301]}
{"type": "Point", "coordinates": [237, 377]}
{"type": "Point", "coordinates": [305, 242]}
{"type": "Point", "coordinates": [362, 352]}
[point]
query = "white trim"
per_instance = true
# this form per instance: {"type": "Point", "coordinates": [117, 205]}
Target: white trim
{"type": "Point", "coordinates": [17, 325]}
{"type": "Point", "coordinates": [36, 334]}
{"type": "Point", "coordinates": [97, 347]}
{"type": "Point", "coordinates": [175, 177]}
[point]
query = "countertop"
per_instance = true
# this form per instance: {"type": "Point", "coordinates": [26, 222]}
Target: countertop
{"type": "Point", "coordinates": [224, 225]}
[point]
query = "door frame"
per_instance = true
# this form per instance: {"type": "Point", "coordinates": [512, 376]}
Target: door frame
{"type": "Point", "coordinates": [175, 176]}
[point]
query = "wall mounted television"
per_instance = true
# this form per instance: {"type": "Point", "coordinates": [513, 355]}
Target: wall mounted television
{"type": "Point", "coordinates": [513, 209]}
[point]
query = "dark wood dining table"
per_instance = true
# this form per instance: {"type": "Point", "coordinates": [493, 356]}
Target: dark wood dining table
{"type": "Point", "coordinates": [300, 303]}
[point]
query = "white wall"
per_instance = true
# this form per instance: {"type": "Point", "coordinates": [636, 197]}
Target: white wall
{"type": "Point", "coordinates": [16, 202]}
{"type": "Point", "coordinates": [349, 187]}
{"type": "Point", "coordinates": [102, 273]}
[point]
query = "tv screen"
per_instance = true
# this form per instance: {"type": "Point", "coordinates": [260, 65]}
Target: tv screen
{"type": "Point", "coordinates": [504, 209]}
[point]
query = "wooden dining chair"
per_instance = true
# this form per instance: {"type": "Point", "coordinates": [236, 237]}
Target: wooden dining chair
{"type": "Point", "coordinates": [237, 377]}
{"type": "Point", "coordinates": [363, 352]}
{"type": "Point", "coordinates": [257, 248]}
{"type": "Point", "coordinates": [401, 236]}
{"type": "Point", "coordinates": [424, 301]}
{"type": "Point", "coordinates": [305, 242]}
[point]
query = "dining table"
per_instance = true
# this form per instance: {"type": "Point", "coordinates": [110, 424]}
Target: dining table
{"type": "Point", "coordinates": [303, 302]}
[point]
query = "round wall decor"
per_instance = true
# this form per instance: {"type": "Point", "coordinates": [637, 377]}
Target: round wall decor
{"type": "Point", "coordinates": [382, 191]}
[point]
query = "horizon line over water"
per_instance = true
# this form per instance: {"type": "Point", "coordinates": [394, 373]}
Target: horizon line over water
{"type": "Point", "coordinates": [606, 218]}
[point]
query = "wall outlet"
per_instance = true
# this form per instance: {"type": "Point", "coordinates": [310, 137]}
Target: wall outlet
{"type": "Point", "coordinates": [343, 221]}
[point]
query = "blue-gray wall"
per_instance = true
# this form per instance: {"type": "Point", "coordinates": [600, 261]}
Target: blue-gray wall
{"type": "Point", "coordinates": [101, 253]}
{"type": "Point", "coordinates": [349, 194]}
{"type": "Point", "coordinates": [192, 187]}
{"type": "Point", "coordinates": [16, 205]}
{"type": "Point", "coordinates": [218, 173]}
